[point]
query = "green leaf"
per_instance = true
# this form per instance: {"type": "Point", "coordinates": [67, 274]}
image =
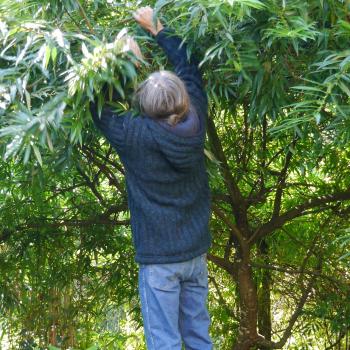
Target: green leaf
{"type": "Point", "coordinates": [27, 154]}
{"type": "Point", "coordinates": [307, 88]}
{"type": "Point", "coordinates": [211, 156]}
{"type": "Point", "coordinates": [318, 118]}
{"type": "Point", "coordinates": [46, 58]}
{"type": "Point", "coordinates": [49, 142]}
{"type": "Point", "coordinates": [37, 154]}
{"type": "Point", "coordinates": [159, 5]}
{"type": "Point", "coordinates": [343, 257]}
{"type": "Point", "coordinates": [250, 3]}
{"type": "Point", "coordinates": [344, 88]}
{"type": "Point", "coordinates": [94, 347]}
{"type": "Point", "coordinates": [54, 55]}
{"type": "Point", "coordinates": [28, 99]}
{"type": "Point", "coordinates": [85, 50]}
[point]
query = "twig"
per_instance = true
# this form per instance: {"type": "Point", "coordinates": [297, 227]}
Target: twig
{"type": "Point", "coordinates": [83, 13]}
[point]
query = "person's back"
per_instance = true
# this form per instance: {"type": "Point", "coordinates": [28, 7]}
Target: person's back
{"type": "Point", "coordinates": [162, 151]}
{"type": "Point", "coordinates": [168, 194]}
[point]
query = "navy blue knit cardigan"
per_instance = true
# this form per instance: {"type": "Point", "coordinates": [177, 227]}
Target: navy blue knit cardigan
{"type": "Point", "coordinates": [166, 178]}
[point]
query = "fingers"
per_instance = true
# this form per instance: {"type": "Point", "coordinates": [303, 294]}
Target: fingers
{"type": "Point", "coordinates": [134, 47]}
{"type": "Point", "coordinates": [146, 10]}
{"type": "Point", "coordinates": [130, 44]}
{"type": "Point", "coordinates": [144, 17]}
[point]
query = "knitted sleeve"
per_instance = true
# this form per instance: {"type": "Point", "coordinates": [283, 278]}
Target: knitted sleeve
{"type": "Point", "coordinates": [186, 70]}
{"type": "Point", "coordinates": [111, 125]}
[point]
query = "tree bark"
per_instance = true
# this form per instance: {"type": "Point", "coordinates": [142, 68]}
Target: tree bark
{"type": "Point", "coordinates": [264, 295]}
{"type": "Point", "coordinates": [248, 302]}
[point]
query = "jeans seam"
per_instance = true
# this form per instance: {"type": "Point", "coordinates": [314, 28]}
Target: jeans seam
{"type": "Point", "coordinates": [147, 309]}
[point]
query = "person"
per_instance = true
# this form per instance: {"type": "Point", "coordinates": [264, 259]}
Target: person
{"type": "Point", "coordinates": [162, 151]}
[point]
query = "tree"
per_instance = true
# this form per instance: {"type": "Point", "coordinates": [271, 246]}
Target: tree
{"type": "Point", "coordinates": [277, 75]}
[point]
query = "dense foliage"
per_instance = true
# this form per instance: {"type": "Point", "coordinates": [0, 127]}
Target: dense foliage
{"type": "Point", "coordinates": [277, 76]}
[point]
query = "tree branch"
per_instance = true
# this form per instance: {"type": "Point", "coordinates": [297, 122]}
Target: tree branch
{"type": "Point", "coordinates": [80, 223]}
{"type": "Point", "coordinates": [296, 271]}
{"type": "Point", "coordinates": [236, 197]}
{"type": "Point", "coordinates": [298, 310]}
{"type": "Point", "coordinates": [102, 219]}
{"type": "Point", "coordinates": [105, 158]}
{"type": "Point", "coordinates": [280, 185]}
{"type": "Point", "coordinates": [104, 169]}
{"type": "Point", "coordinates": [300, 210]}
{"type": "Point", "coordinates": [91, 185]}
{"type": "Point", "coordinates": [234, 229]}
{"type": "Point", "coordinates": [338, 341]}
{"type": "Point", "coordinates": [224, 264]}
{"type": "Point", "coordinates": [87, 21]}
{"type": "Point", "coordinates": [222, 299]}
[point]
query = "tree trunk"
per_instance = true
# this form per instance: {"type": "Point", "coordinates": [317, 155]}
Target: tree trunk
{"type": "Point", "coordinates": [264, 295]}
{"type": "Point", "coordinates": [248, 303]}
{"type": "Point", "coordinates": [53, 314]}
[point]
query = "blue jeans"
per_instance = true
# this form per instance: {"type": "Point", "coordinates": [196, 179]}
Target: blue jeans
{"type": "Point", "coordinates": [173, 303]}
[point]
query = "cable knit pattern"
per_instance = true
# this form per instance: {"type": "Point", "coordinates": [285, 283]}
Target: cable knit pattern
{"type": "Point", "coordinates": [167, 182]}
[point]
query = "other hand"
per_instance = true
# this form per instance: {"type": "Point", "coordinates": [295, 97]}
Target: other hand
{"type": "Point", "coordinates": [130, 44]}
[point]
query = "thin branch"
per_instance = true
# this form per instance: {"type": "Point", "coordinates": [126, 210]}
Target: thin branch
{"type": "Point", "coordinates": [104, 169]}
{"type": "Point", "coordinates": [264, 152]}
{"type": "Point", "coordinates": [300, 210]}
{"type": "Point", "coordinates": [234, 229]}
{"type": "Point", "coordinates": [280, 185]}
{"type": "Point", "coordinates": [228, 247]}
{"type": "Point", "coordinates": [221, 197]}
{"type": "Point", "coordinates": [232, 187]}
{"type": "Point", "coordinates": [105, 158]}
{"type": "Point", "coordinates": [101, 219]}
{"type": "Point", "coordinates": [72, 18]}
{"type": "Point", "coordinates": [261, 194]}
{"type": "Point", "coordinates": [296, 271]}
{"type": "Point", "coordinates": [60, 191]}
{"type": "Point", "coordinates": [298, 310]}
{"type": "Point", "coordinates": [80, 223]}
{"type": "Point", "coordinates": [91, 185]}
{"type": "Point", "coordinates": [87, 21]}
{"type": "Point", "coordinates": [224, 264]}
{"type": "Point", "coordinates": [222, 300]}
{"type": "Point", "coordinates": [338, 341]}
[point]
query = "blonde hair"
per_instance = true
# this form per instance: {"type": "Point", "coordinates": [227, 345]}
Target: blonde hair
{"type": "Point", "coordinates": [163, 95]}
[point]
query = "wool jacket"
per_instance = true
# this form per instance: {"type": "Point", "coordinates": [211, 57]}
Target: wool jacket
{"type": "Point", "coordinates": [166, 178]}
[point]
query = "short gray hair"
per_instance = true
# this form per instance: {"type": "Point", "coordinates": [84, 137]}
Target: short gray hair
{"type": "Point", "coordinates": [163, 95]}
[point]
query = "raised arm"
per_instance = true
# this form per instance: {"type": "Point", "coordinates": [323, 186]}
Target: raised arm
{"type": "Point", "coordinates": [110, 125]}
{"type": "Point", "coordinates": [108, 122]}
{"type": "Point", "coordinates": [186, 70]}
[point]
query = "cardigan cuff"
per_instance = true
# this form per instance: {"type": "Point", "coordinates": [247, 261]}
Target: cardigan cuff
{"type": "Point", "coordinates": [163, 34]}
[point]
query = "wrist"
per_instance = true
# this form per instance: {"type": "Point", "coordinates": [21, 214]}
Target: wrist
{"type": "Point", "coordinates": [155, 31]}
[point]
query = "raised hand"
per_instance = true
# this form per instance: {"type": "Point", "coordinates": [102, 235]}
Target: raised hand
{"type": "Point", "coordinates": [144, 17]}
